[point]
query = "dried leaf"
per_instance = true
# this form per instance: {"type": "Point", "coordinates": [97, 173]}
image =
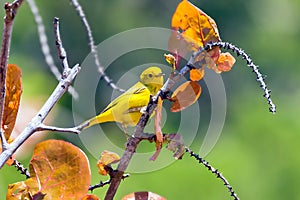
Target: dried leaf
{"type": "Point", "coordinates": [195, 26]}
{"type": "Point", "coordinates": [12, 98]}
{"type": "Point", "coordinates": [58, 169]}
{"type": "Point", "coordinates": [90, 197]}
{"type": "Point", "coordinates": [143, 196]}
{"type": "Point", "coordinates": [196, 74]}
{"type": "Point", "coordinates": [22, 190]}
{"type": "Point", "coordinates": [185, 95]}
{"type": "Point", "coordinates": [225, 62]}
{"type": "Point", "coordinates": [175, 144]}
{"type": "Point", "coordinates": [157, 127]}
{"type": "Point", "coordinates": [107, 158]}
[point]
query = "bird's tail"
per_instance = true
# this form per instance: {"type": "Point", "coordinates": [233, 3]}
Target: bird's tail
{"type": "Point", "coordinates": [91, 122]}
{"type": "Point", "coordinates": [103, 117]}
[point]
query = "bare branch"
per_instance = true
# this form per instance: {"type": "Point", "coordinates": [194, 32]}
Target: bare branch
{"type": "Point", "coordinates": [38, 119]}
{"type": "Point", "coordinates": [138, 131]}
{"type": "Point", "coordinates": [43, 127]}
{"type": "Point", "coordinates": [45, 46]}
{"type": "Point", "coordinates": [60, 49]}
{"type": "Point", "coordinates": [10, 13]}
{"type": "Point", "coordinates": [92, 46]}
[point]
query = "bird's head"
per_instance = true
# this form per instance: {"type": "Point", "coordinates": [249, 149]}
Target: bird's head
{"type": "Point", "coordinates": [153, 77]}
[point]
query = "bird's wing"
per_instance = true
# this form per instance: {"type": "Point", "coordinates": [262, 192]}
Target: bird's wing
{"type": "Point", "coordinates": [131, 96]}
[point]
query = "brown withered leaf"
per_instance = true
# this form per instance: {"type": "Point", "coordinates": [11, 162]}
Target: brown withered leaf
{"type": "Point", "coordinates": [106, 159]}
{"type": "Point", "coordinates": [157, 127]}
{"type": "Point", "coordinates": [12, 98]}
{"type": "Point", "coordinates": [58, 169]}
{"type": "Point", "coordinates": [185, 95]}
{"type": "Point", "coordinates": [90, 197]}
{"type": "Point", "coordinates": [143, 196]}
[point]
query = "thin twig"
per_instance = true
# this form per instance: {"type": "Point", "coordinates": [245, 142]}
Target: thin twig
{"type": "Point", "coordinates": [10, 13]}
{"type": "Point", "coordinates": [21, 168]}
{"type": "Point", "coordinates": [102, 184]}
{"type": "Point", "coordinates": [43, 127]}
{"type": "Point", "coordinates": [214, 171]}
{"type": "Point", "coordinates": [60, 49]}
{"type": "Point", "coordinates": [94, 52]}
{"type": "Point", "coordinates": [45, 46]}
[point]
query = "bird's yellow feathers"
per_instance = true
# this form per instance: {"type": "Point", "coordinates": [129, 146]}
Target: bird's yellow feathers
{"type": "Point", "coordinates": [126, 109]}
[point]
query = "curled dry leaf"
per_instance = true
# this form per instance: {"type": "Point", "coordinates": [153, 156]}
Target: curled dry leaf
{"type": "Point", "coordinates": [106, 159]}
{"type": "Point", "coordinates": [225, 62]}
{"type": "Point", "coordinates": [12, 98]}
{"type": "Point", "coordinates": [175, 144]}
{"type": "Point", "coordinates": [58, 169]}
{"type": "Point", "coordinates": [157, 127]}
{"type": "Point", "coordinates": [143, 196]}
{"type": "Point", "coordinates": [185, 95]}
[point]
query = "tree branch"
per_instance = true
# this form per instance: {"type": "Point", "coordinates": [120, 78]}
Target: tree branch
{"type": "Point", "coordinates": [92, 45]}
{"type": "Point", "coordinates": [10, 13]}
{"type": "Point", "coordinates": [43, 127]}
{"type": "Point", "coordinates": [36, 122]}
{"type": "Point", "coordinates": [214, 171]}
{"type": "Point", "coordinates": [137, 136]}
{"type": "Point", "coordinates": [45, 47]}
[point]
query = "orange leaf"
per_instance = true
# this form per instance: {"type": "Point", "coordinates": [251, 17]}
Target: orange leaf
{"type": "Point", "coordinates": [58, 169]}
{"type": "Point", "coordinates": [107, 158]}
{"type": "Point", "coordinates": [196, 27]}
{"type": "Point", "coordinates": [197, 74]}
{"type": "Point", "coordinates": [12, 98]}
{"type": "Point", "coordinates": [143, 195]}
{"type": "Point", "coordinates": [225, 62]}
{"type": "Point", "coordinates": [90, 197]}
{"type": "Point", "coordinates": [11, 159]}
{"type": "Point", "coordinates": [157, 127]}
{"type": "Point", "coordinates": [185, 95]}
{"type": "Point", "coordinates": [22, 190]}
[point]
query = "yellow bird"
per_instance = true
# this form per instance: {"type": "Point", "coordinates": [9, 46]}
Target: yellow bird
{"type": "Point", "coordinates": [128, 107]}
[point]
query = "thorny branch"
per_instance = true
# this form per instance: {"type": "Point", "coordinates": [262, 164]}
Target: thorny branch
{"type": "Point", "coordinates": [214, 171]}
{"type": "Point", "coordinates": [45, 47]}
{"type": "Point", "coordinates": [93, 47]}
{"type": "Point", "coordinates": [21, 168]}
{"type": "Point", "coordinates": [36, 123]}
{"type": "Point", "coordinates": [250, 63]}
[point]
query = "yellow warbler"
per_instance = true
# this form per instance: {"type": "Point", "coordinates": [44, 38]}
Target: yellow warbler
{"type": "Point", "coordinates": [128, 107]}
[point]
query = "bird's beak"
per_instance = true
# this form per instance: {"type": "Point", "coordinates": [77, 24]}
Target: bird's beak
{"type": "Point", "coordinates": [160, 74]}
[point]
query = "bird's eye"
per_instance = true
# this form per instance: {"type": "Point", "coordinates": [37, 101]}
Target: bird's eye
{"type": "Point", "coordinates": [150, 75]}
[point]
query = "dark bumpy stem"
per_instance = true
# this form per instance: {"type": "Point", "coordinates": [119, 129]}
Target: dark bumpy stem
{"type": "Point", "coordinates": [214, 171]}
{"type": "Point", "coordinates": [259, 76]}
{"type": "Point", "coordinates": [21, 168]}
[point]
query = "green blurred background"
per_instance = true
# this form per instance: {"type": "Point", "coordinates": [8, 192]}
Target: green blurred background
{"type": "Point", "coordinates": [257, 151]}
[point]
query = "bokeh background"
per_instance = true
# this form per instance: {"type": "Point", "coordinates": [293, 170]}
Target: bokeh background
{"type": "Point", "coordinates": [257, 151]}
